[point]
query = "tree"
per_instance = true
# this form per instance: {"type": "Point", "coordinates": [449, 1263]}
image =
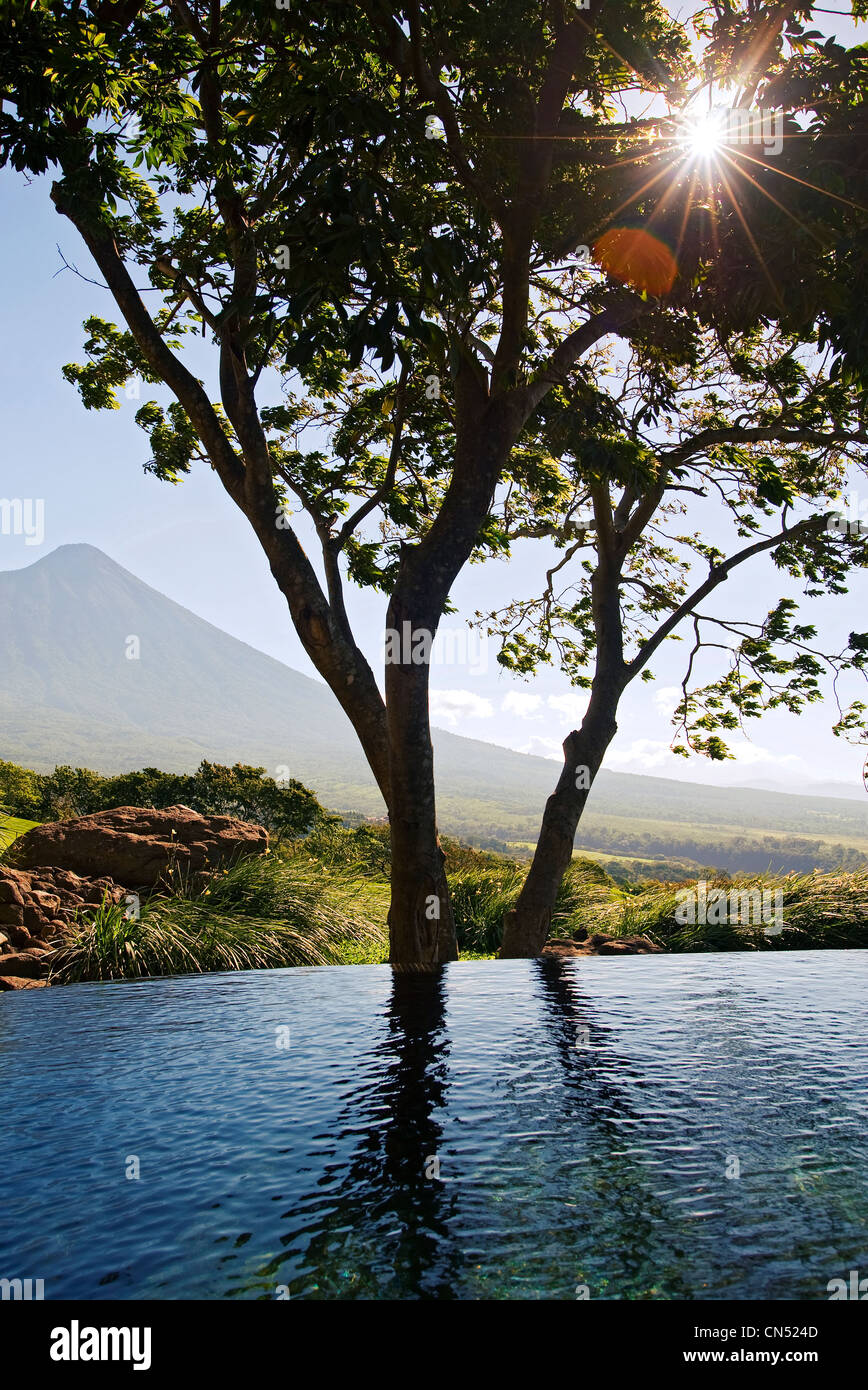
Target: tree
{"type": "Point", "coordinates": [622, 583]}
{"type": "Point", "coordinates": [19, 791]}
{"type": "Point", "coordinates": [286, 809]}
{"type": "Point", "coordinates": [389, 207]}
{"type": "Point", "coordinates": [769, 421]}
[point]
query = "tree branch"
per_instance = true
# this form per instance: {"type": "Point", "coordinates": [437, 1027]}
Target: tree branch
{"type": "Point", "coordinates": [158, 355]}
{"type": "Point", "coordinates": [716, 576]}
{"type": "Point", "coordinates": [408, 57]}
{"type": "Point", "coordinates": [707, 439]}
{"type": "Point", "coordinates": [385, 487]}
{"type": "Point", "coordinates": [610, 320]}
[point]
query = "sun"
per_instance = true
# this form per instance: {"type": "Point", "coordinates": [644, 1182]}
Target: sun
{"type": "Point", "coordinates": [702, 136]}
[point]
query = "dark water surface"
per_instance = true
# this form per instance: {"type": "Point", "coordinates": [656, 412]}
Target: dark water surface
{"type": "Point", "coordinates": [584, 1115]}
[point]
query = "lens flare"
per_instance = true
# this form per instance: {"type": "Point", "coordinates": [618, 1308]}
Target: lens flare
{"type": "Point", "coordinates": [637, 258]}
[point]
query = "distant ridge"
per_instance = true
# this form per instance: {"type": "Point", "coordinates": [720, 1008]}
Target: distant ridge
{"type": "Point", "coordinates": [68, 694]}
{"type": "Point", "coordinates": [849, 791]}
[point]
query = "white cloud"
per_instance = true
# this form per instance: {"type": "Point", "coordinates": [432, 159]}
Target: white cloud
{"type": "Point", "coordinates": [641, 755]}
{"type": "Point", "coordinates": [647, 754]}
{"type": "Point", "coordinates": [455, 705]}
{"type": "Point", "coordinates": [666, 698]}
{"type": "Point", "coordinates": [752, 753]}
{"type": "Point", "coordinates": [573, 706]}
{"type": "Point", "coordinates": [544, 748]}
{"type": "Point", "coordinates": [524, 706]}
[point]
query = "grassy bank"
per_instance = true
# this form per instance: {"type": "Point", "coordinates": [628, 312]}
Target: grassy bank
{"type": "Point", "coordinates": [325, 902]}
{"type": "Point", "coordinates": [263, 913]}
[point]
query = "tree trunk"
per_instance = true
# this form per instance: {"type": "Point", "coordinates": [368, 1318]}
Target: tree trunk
{"type": "Point", "coordinates": [421, 926]}
{"type": "Point", "coordinates": [527, 926]}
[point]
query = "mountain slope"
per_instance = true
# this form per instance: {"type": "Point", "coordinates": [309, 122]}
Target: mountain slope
{"type": "Point", "coordinates": [69, 694]}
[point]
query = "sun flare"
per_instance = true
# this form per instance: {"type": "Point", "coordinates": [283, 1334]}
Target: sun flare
{"type": "Point", "coordinates": [702, 135]}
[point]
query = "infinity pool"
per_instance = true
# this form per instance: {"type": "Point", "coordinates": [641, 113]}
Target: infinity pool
{"type": "Point", "coordinates": [649, 1127]}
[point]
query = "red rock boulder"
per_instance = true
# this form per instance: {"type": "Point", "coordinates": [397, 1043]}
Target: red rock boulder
{"type": "Point", "coordinates": [601, 945]}
{"type": "Point", "coordinates": [37, 906]}
{"type": "Point", "coordinates": [139, 847]}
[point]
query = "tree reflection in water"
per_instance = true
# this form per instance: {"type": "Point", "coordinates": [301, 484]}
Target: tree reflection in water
{"type": "Point", "coordinates": [625, 1233]}
{"type": "Point", "coordinates": [388, 1218]}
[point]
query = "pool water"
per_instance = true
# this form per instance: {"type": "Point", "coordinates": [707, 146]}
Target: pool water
{"type": "Point", "coordinates": [649, 1127]}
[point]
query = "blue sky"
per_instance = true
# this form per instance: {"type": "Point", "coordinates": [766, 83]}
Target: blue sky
{"type": "Point", "coordinates": [193, 545]}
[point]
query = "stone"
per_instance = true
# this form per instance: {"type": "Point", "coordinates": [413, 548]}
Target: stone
{"type": "Point", "coordinates": [47, 902]}
{"type": "Point", "coordinates": [26, 963]}
{"type": "Point", "coordinates": [93, 896]}
{"type": "Point", "coordinates": [19, 982]}
{"type": "Point", "coordinates": [20, 938]}
{"type": "Point", "coordinates": [43, 905]}
{"type": "Point", "coordinates": [599, 944]}
{"type": "Point", "coordinates": [34, 919]}
{"type": "Point", "coordinates": [138, 846]}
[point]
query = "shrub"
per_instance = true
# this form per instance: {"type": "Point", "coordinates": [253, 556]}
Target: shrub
{"type": "Point", "coordinates": [260, 914]}
{"type": "Point", "coordinates": [363, 850]}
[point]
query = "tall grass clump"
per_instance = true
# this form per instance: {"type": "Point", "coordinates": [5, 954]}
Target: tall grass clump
{"type": "Point", "coordinates": [260, 914]}
{"type": "Point", "coordinates": [480, 896]}
{"type": "Point", "coordinates": [825, 910]}
{"type": "Point", "coordinates": [820, 911]}
{"type": "Point", "coordinates": [484, 886]}
{"type": "Point", "coordinates": [586, 895]}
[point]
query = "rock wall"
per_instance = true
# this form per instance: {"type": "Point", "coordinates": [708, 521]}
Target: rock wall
{"type": "Point", "coordinates": [37, 909]}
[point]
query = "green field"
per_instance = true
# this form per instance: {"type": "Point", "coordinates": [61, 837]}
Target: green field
{"type": "Point", "coordinates": [11, 827]}
{"type": "Point", "coordinates": [727, 845]}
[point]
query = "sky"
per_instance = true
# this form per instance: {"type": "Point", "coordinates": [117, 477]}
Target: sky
{"type": "Point", "coordinates": [192, 544]}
